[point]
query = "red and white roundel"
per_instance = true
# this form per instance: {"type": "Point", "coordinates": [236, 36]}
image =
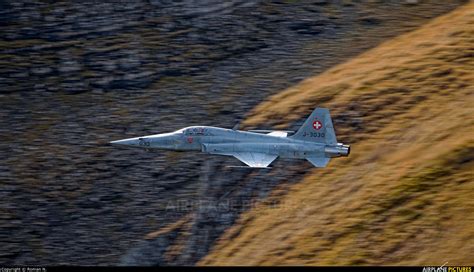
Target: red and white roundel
{"type": "Point", "coordinates": [317, 125]}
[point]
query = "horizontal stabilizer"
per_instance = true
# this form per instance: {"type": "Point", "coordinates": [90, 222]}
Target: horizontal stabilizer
{"type": "Point", "coordinates": [254, 159]}
{"type": "Point", "coordinates": [278, 134]}
{"type": "Point", "coordinates": [318, 161]}
{"type": "Point", "coordinates": [288, 132]}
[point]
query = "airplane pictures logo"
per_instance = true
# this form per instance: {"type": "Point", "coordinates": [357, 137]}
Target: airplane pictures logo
{"type": "Point", "coordinates": [317, 125]}
{"type": "Point", "coordinates": [444, 268]}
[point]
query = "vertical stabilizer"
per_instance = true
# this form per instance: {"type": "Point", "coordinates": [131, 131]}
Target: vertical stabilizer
{"type": "Point", "coordinates": [317, 128]}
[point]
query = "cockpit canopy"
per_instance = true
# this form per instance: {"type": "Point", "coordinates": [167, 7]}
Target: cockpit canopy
{"type": "Point", "coordinates": [194, 131]}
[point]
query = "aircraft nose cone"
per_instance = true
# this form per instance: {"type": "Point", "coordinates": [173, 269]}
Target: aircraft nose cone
{"type": "Point", "coordinates": [126, 142]}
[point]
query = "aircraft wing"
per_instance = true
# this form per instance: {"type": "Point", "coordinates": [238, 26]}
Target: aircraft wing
{"type": "Point", "coordinates": [254, 159]}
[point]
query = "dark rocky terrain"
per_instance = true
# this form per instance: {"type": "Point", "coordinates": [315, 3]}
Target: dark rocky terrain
{"type": "Point", "coordinates": [74, 76]}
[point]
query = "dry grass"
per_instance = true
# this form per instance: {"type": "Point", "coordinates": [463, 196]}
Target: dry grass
{"type": "Point", "coordinates": [405, 195]}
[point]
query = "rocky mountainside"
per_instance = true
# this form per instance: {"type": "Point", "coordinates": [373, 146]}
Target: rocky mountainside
{"type": "Point", "coordinates": [74, 76]}
{"type": "Point", "coordinates": [405, 195]}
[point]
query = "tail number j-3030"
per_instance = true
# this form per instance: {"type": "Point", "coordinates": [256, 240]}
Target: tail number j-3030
{"type": "Point", "coordinates": [314, 134]}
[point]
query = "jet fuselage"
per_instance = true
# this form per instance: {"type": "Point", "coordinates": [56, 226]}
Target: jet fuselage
{"type": "Point", "coordinates": [314, 141]}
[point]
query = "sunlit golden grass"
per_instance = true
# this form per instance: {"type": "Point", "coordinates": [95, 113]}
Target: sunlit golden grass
{"type": "Point", "coordinates": [405, 195]}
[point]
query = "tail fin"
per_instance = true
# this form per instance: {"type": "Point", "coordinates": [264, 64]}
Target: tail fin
{"type": "Point", "coordinates": [317, 128]}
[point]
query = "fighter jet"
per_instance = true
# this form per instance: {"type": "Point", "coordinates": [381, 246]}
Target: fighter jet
{"type": "Point", "coordinates": [314, 141]}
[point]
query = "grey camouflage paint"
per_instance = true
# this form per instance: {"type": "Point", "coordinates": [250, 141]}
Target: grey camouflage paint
{"type": "Point", "coordinates": [315, 141]}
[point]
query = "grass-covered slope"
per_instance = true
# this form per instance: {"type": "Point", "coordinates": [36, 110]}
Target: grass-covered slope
{"type": "Point", "coordinates": [406, 193]}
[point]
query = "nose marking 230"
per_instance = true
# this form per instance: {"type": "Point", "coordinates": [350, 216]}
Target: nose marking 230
{"type": "Point", "coordinates": [142, 142]}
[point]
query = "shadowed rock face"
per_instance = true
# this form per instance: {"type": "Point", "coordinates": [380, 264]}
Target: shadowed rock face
{"type": "Point", "coordinates": [74, 76]}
